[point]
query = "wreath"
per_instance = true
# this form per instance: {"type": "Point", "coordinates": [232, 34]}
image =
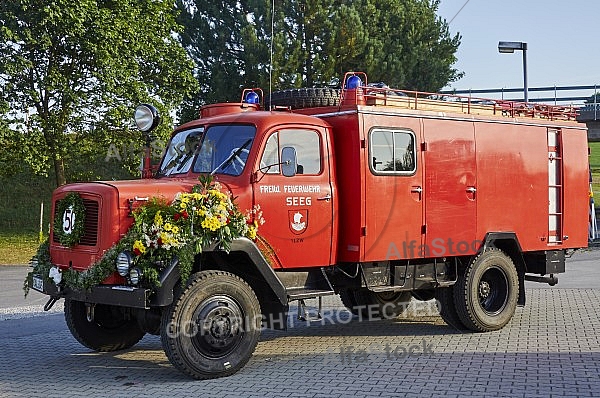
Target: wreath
{"type": "Point", "coordinates": [69, 220]}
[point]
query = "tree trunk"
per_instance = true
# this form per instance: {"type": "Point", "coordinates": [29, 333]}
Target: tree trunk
{"type": "Point", "coordinates": [59, 171]}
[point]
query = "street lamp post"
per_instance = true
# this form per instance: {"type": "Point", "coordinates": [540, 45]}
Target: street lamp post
{"type": "Point", "coordinates": [510, 47]}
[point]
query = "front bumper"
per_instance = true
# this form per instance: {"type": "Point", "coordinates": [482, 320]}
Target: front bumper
{"type": "Point", "coordinates": [119, 295]}
{"type": "Point", "coordinates": [123, 296]}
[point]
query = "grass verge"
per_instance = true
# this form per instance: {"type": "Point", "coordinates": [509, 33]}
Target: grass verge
{"type": "Point", "coordinates": [16, 248]}
{"type": "Point", "coordinates": [595, 167]}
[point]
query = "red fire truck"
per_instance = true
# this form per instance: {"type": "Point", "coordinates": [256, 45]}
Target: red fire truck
{"type": "Point", "coordinates": [375, 194]}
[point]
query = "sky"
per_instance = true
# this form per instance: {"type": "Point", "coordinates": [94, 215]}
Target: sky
{"type": "Point", "coordinates": [562, 39]}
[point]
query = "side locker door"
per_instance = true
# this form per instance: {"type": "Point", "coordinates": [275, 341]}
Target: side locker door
{"type": "Point", "coordinates": [298, 210]}
{"type": "Point", "coordinates": [393, 191]}
{"type": "Point", "coordinates": [450, 187]}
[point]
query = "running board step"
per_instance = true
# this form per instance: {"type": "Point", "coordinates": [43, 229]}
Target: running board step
{"type": "Point", "coordinates": [302, 294]}
{"type": "Point", "coordinates": [303, 314]}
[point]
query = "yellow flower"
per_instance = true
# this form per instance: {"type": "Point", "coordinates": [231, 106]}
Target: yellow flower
{"type": "Point", "coordinates": [158, 220]}
{"type": "Point", "coordinates": [167, 239]}
{"type": "Point", "coordinates": [139, 246]}
{"type": "Point", "coordinates": [251, 232]}
{"type": "Point", "coordinates": [167, 227]}
{"type": "Point", "coordinates": [211, 223]}
{"type": "Point", "coordinates": [175, 230]}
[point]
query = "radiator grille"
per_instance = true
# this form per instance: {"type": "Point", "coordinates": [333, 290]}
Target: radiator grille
{"type": "Point", "coordinates": [90, 225]}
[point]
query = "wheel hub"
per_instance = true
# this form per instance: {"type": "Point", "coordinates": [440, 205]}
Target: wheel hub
{"type": "Point", "coordinates": [484, 289]}
{"type": "Point", "coordinates": [219, 322]}
{"type": "Point", "coordinates": [493, 290]}
{"type": "Point", "coordinates": [220, 326]}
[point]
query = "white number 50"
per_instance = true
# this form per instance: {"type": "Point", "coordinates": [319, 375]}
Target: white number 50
{"type": "Point", "coordinates": [68, 220]}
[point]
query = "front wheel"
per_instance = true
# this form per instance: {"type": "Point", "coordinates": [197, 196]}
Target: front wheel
{"type": "Point", "coordinates": [486, 294]}
{"type": "Point", "coordinates": [212, 329]}
{"type": "Point", "coordinates": [109, 329]}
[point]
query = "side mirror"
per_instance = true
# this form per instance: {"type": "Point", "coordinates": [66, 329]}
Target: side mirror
{"type": "Point", "coordinates": [146, 118]}
{"type": "Point", "coordinates": [289, 162]}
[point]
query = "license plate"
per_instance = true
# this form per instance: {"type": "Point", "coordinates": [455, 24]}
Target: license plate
{"type": "Point", "coordinates": [38, 283]}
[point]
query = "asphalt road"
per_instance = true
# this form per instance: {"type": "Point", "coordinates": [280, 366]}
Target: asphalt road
{"type": "Point", "coordinates": [550, 348]}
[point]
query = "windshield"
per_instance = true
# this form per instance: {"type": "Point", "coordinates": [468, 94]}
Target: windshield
{"type": "Point", "coordinates": [223, 149]}
{"type": "Point", "coordinates": [180, 153]}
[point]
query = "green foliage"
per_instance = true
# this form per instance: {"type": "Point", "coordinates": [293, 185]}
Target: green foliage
{"type": "Point", "coordinates": [17, 248]}
{"type": "Point", "coordinates": [400, 42]}
{"type": "Point", "coordinates": [407, 45]}
{"type": "Point", "coordinates": [72, 72]}
{"type": "Point", "coordinates": [42, 266]}
{"type": "Point", "coordinates": [74, 204]}
{"type": "Point", "coordinates": [594, 99]}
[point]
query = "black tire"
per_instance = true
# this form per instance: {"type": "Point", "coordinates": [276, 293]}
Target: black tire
{"type": "Point", "coordinates": [349, 301]}
{"type": "Point", "coordinates": [212, 328]}
{"type": "Point", "coordinates": [382, 305]}
{"type": "Point", "coordinates": [444, 298]}
{"type": "Point", "coordinates": [486, 294]}
{"type": "Point", "coordinates": [423, 295]}
{"type": "Point", "coordinates": [299, 98]}
{"type": "Point", "coordinates": [109, 331]}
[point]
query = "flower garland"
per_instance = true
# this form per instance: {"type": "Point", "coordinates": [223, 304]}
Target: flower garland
{"type": "Point", "coordinates": [162, 231]}
{"type": "Point", "coordinates": [69, 220]}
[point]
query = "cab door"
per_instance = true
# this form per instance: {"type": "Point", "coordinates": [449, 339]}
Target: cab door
{"type": "Point", "coordinates": [298, 210]}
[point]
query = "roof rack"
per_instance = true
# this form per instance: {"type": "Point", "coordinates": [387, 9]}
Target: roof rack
{"type": "Point", "coordinates": [381, 95]}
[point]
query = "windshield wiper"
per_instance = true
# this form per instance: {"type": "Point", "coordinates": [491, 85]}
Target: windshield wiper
{"type": "Point", "coordinates": [232, 156]}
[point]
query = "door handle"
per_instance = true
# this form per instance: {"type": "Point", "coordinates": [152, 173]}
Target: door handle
{"type": "Point", "coordinates": [416, 190]}
{"type": "Point", "coordinates": [471, 189]}
{"type": "Point", "coordinates": [326, 197]}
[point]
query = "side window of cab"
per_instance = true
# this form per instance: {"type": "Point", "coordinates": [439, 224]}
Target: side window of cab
{"type": "Point", "coordinates": [307, 144]}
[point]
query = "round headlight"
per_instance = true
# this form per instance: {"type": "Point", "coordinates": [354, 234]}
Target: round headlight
{"type": "Point", "coordinates": [123, 263]}
{"type": "Point", "coordinates": [146, 117]}
{"type": "Point", "coordinates": [134, 276]}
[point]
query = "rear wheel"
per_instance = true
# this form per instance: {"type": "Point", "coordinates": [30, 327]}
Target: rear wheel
{"type": "Point", "coordinates": [212, 329]}
{"type": "Point", "coordinates": [444, 298]}
{"type": "Point", "coordinates": [386, 305]}
{"type": "Point", "coordinates": [424, 295]}
{"type": "Point", "coordinates": [109, 329]}
{"type": "Point", "coordinates": [486, 293]}
{"type": "Point", "coordinates": [349, 301]}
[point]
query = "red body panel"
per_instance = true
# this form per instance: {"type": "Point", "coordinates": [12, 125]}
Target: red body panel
{"type": "Point", "coordinates": [474, 175]}
{"type": "Point", "coordinates": [478, 174]}
{"type": "Point", "coordinates": [393, 213]}
{"type": "Point", "coordinates": [451, 180]}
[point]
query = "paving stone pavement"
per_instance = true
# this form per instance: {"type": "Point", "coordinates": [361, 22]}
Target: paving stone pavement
{"type": "Point", "coordinates": [550, 348]}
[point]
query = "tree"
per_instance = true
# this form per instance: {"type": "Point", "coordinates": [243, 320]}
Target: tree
{"type": "Point", "coordinates": [72, 72]}
{"type": "Point", "coordinates": [407, 44]}
{"type": "Point", "coordinates": [594, 99]}
{"type": "Point", "coordinates": [401, 42]}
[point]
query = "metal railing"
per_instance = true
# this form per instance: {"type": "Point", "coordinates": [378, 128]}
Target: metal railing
{"type": "Point", "coordinates": [451, 102]}
{"type": "Point", "coordinates": [556, 98]}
